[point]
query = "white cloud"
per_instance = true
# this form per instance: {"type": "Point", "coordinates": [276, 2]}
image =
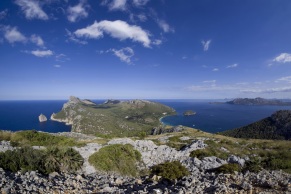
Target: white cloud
{"type": "Point", "coordinates": [37, 40]}
{"type": "Point", "coordinates": [32, 9]}
{"type": "Point", "coordinates": [77, 12]}
{"type": "Point", "coordinates": [72, 38]}
{"type": "Point", "coordinates": [157, 42]}
{"type": "Point", "coordinates": [42, 53]}
{"type": "Point", "coordinates": [232, 66]}
{"type": "Point", "coordinates": [285, 79]}
{"type": "Point", "coordinates": [140, 2]}
{"type": "Point", "coordinates": [140, 17]}
{"type": "Point", "coordinates": [215, 69]}
{"type": "Point", "coordinates": [12, 35]}
{"type": "Point", "coordinates": [205, 44]}
{"type": "Point", "coordinates": [3, 14]}
{"type": "Point", "coordinates": [282, 58]}
{"type": "Point", "coordinates": [62, 58]}
{"type": "Point", "coordinates": [268, 91]}
{"type": "Point", "coordinates": [116, 29]}
{"type": "Point", "coordinates": [115, 4]}
{"type": "Point", "coordinates": [210, 81]}
{"type": "Point", "coordinates": [124, 54]}
{"type": "Point", "coordinates": [57, 66]}
{"type": "Point", "coordinates": [165, 26]}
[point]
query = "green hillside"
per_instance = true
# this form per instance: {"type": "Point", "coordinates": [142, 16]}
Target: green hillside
{"type": "Point", "coordinates": [120, 118]}
{"type": "Point", "coordinates": [277, 126]}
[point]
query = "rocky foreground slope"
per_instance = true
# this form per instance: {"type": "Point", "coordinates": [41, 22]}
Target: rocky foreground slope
{"type": "Point", "coordinates": [121, 118]}
{"type": "Point", "coordinates": [200, 180]}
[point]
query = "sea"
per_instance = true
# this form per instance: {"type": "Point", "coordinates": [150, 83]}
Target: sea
{"type": "Point", "coordinates": [209, 117]}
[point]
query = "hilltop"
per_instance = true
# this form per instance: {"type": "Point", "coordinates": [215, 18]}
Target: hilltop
{"type": "Point", "coordinates": [277, 126]}
{"type": "Point", "coordinates": [258, 101]}
{"type": "Point", "coordinates": [121, 118]}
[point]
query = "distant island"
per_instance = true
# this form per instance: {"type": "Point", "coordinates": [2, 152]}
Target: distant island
{"type": "Point", "coordinates": [255, 101]}
{"type": "Point", "coordinates": [189, 113]}
{"type": "Point", "coordinates": [121, 118]}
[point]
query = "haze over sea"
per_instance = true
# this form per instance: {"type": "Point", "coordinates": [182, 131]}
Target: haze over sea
{"type": "Point", "coordinates": [23, 115]}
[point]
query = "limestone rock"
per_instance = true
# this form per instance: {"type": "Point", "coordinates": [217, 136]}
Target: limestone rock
{"type": "Point", "coordinates": [42, 118]}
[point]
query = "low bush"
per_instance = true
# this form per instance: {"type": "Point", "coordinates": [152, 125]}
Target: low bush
{"type": "Point", "coordinates": [118, 158]}
{"type": "Point", "coordinates": [45, 161]}
{"type": "Point", "coordinates": [170, 170]}
{"type": "Point", "coordinates": [35, 138]}
{"type": "Point", "coordinates": [253, 165]}
{"type": "Point", "coordinates": [228, 168]}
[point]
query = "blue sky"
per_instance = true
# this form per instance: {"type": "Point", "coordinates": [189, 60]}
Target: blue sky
{"type": "Point", "coordinates": [181, 49]}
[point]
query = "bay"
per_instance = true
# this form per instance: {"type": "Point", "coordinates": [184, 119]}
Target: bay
{"type": "Point", "coordinates": [216, 117]}
{"type": "Point", "coordinates": [23, 115]}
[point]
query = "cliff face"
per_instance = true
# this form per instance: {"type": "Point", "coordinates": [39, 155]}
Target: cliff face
{"type": "Point", "coordinates": [277, 126]}
{"type": "Point", "coordinates": [111, 117]}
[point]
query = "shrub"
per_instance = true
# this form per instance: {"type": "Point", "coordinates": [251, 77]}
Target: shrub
{"type": "Point", "coordinates": [45, 161]}
{"type": "Point", "coordinates": [170, 170]}
{"type": "Point", "coordinates": [201, 153]}
{"type": "Point", "coordinates": [228, 168]}
{"type": "Point", "coordinates": [116, 158]}
{"type": "Point", "coordinates": [35, 138]}
{"type": "Point", "coordinates": [253, 165]}
{"type": "Point", "coordinates": [25, 159]}
{"type": "Point", "coordinates": [62, 160]}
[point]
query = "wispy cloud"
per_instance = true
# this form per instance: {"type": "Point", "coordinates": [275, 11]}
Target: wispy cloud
{"type": "Point", "coordinates": [139, 3]}
{"type": "Point", "coordinates": [32, 9]}
{"type": "Point", "coordinates": [232, 66]}
{"type": "Point", "coordinates": [269, 90]}
{"type": "Point", "coordinates": [12, 35]}
{"type": "Point", "coordinates": [124, 54]}
{"type": "Point", "coordinates": [165, 26]}
{"type": "Point", "coordinates": [3, 14]}
{"type": "Point", "coordinates": [285, 79]}
{"type": "Point", "coordinates": [205, 44]}
{"type": "Point", "coordinates": [115, 4]}
{"type": "Point", "coordinates": [42, 53]}
{"type": "Point", "coordinates": [62, 58]}
{"type": "Point", "coordinates": [215, 69]}
{"type": "Point", "coordinates": [283, 58]}
{"type": "Point", "coordinates": [57, 66]}
{"type": "Point", "coordinates": [77, 12]}
{"type": "Point", "coordinates": [116, 29]}
{"type": "Point", "coordinates": [37, 40]}
{"type": "Point", "coordinates": [72, 38]}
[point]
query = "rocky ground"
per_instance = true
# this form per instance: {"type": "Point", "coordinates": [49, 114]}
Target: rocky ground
{"type": "Point", "coordinates": [200, 179]}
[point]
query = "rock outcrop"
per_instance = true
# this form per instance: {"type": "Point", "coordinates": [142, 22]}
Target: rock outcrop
{"type": "Point", "coordinates": [42, 118]}
{"type": "Point", "coordinates": [200, 179]}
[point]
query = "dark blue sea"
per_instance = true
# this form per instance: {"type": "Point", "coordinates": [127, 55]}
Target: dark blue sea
{"type": "Point", "coordinates": [23, 115]}
{"type": "Point", "coordinates": [216, 117]}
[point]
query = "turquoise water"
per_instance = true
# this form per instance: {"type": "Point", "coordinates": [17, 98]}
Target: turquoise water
{"type": "Point", "coordinates": [23, 115]}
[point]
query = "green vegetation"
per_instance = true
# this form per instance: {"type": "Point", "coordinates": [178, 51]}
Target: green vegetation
{"type": "Point", "coordinates": [122, 119]}
{"type": "Point", "coordinates": [45, 161]}
{"type": "Point", "coordinates": [170, 170]}
{"type": "Point", "coordinates": [277, 126]}
{"type": "Point", "coordinates": [228, 168]}
{"type": "Point", "coordinates": [34, 138]}
{"type": "Point", "coordinates": [117, 158]}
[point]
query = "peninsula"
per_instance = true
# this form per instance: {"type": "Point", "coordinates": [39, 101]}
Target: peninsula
{"type": "Point", "coordinates": [121, 118]}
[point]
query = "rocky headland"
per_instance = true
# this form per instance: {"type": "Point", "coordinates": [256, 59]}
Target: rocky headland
{"type": "Point", "coordinates": [112, 117]}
